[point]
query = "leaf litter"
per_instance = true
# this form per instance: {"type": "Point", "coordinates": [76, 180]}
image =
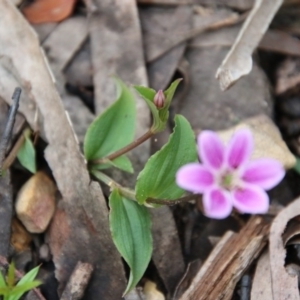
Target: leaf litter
{"type": "Point", "coordinates": [153, 42]}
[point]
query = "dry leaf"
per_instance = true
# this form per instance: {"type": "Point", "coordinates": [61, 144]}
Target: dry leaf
{"type": "Point", "coordinates": [261, 283]}
{"type": "Point", "coordinates": [42, 11]}
{"type": "Point", "coordinates": [238, 61]}
{"type": "Point", "coordinates": [58, 48]}
{"type": "Point", "coordinates": [267, 140]}
{"type": "Point", "coordinates": [85, 211]}
{"type": "Point", "coordinates": [170, 21]}
{"type": "Point", "coordinates": [151, 292]}
{"type": "Point", "coordinates": [284, 286]}
{"type": "Point", "coordinates": [206, 107]}
{"type": "Point", "coordinates": [167, 255]}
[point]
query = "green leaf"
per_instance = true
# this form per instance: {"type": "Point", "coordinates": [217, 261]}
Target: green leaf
{"type": "Point", "coordinates": [2, 281]}
{"type": "Point", "coordinates": [4, 291]}
{"type": "Point", "coordinates": [114, 128]}
{"type": "Point", "coordinates": [157, 179]}
{"type": "Point", "coordinates": [25, 284]}
{"type": "Point", "coordinates": [169, 94]}
{"type": "Point", "coordinates": [19, 290]}
{"type": "Point", "coordinates": [297, 166]}
{"type": "Point", "coordinates": [160, 116]}
{"type": "Point", "coordinates": [122, 162]}
{"type": "Point", "coordinates": [148, 95]}
{"type": "Point", "coordinates": [130, 225]}
{"type": "Point", "coordinates": [29, 276]}
{"type": "Point", "coordinates": [145, 92]}
{"type": "Point", "coordinates": [26, 154]}
{"type": "Point", "coordinates": [11, 275]}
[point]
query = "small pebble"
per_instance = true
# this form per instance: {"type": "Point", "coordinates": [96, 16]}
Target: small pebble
{"type": "Point", "coordinates": [35, 204]}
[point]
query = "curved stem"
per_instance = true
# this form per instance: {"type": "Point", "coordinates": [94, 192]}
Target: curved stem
{"type": "Point", "coordinates": [130, 194]}
{"type": "Point", "coordinates": [126, 192]}
{"type": "Point", "coordinates": [127, 148]}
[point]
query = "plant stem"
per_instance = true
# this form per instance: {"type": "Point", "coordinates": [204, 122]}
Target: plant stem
{"type": "Point", "coordinates": [126, 192]}
{"type": "Point", "coordinates": [127, 148]}
{"type": "Point", "coordinates": [172, 202]}
{"type": "Point", "coordinates": [130, 194]}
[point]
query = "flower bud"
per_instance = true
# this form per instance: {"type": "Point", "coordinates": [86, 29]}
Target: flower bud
{"type": "Point", "coordinates": [159, 99]}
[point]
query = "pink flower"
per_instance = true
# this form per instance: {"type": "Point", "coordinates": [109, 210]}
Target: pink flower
{"type": "Point", "coordinates": [227, 178]}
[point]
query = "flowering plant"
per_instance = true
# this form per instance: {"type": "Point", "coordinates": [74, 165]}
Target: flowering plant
{"type": "Point", "coordinates": [228, 178]}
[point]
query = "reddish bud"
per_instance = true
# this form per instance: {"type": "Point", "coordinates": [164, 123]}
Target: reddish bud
{"type": "Point", "coordinates": [159, 99]}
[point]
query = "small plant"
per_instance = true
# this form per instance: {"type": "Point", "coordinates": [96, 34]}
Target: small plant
{"type": "Point", "coordinates": [226, 177]}
{"type": "Point", "coordinates": [10, 289]}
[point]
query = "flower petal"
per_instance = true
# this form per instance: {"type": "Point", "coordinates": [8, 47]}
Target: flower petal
{"type": "Point", "coordinates": [239, 148]}
{"type": "Point", "coordinates": [194, 178]}
{"type": "Point", "coordinates": [265, 172]}
{"type": "Point", "coordinates": [211, 149]}
{"type": "Point", "coordinates": [217, 203]}
{"type": "Point", "coordinates": [251, 199]}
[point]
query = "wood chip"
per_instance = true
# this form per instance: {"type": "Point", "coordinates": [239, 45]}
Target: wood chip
{"type": "Point", "coordinates": [228, 261]}
{"type": "Point", "coordinates": [238, 61]}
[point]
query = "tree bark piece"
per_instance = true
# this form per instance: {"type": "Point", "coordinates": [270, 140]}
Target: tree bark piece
{"type": "Point", "coordinates": [227, 262]}
{"type": "Point", "coordinates": [78, 282]}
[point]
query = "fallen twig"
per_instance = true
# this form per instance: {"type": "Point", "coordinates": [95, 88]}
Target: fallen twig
{"type": "Point", "coordinates": [9, 125]}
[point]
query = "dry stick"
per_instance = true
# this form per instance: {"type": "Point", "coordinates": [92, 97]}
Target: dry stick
{"type": "Point", "coordinates": [9, 124]}
{"type": "Point", "coordinates": [78, 282]}
{"type": "Point", "coordinates": [4, 264]}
